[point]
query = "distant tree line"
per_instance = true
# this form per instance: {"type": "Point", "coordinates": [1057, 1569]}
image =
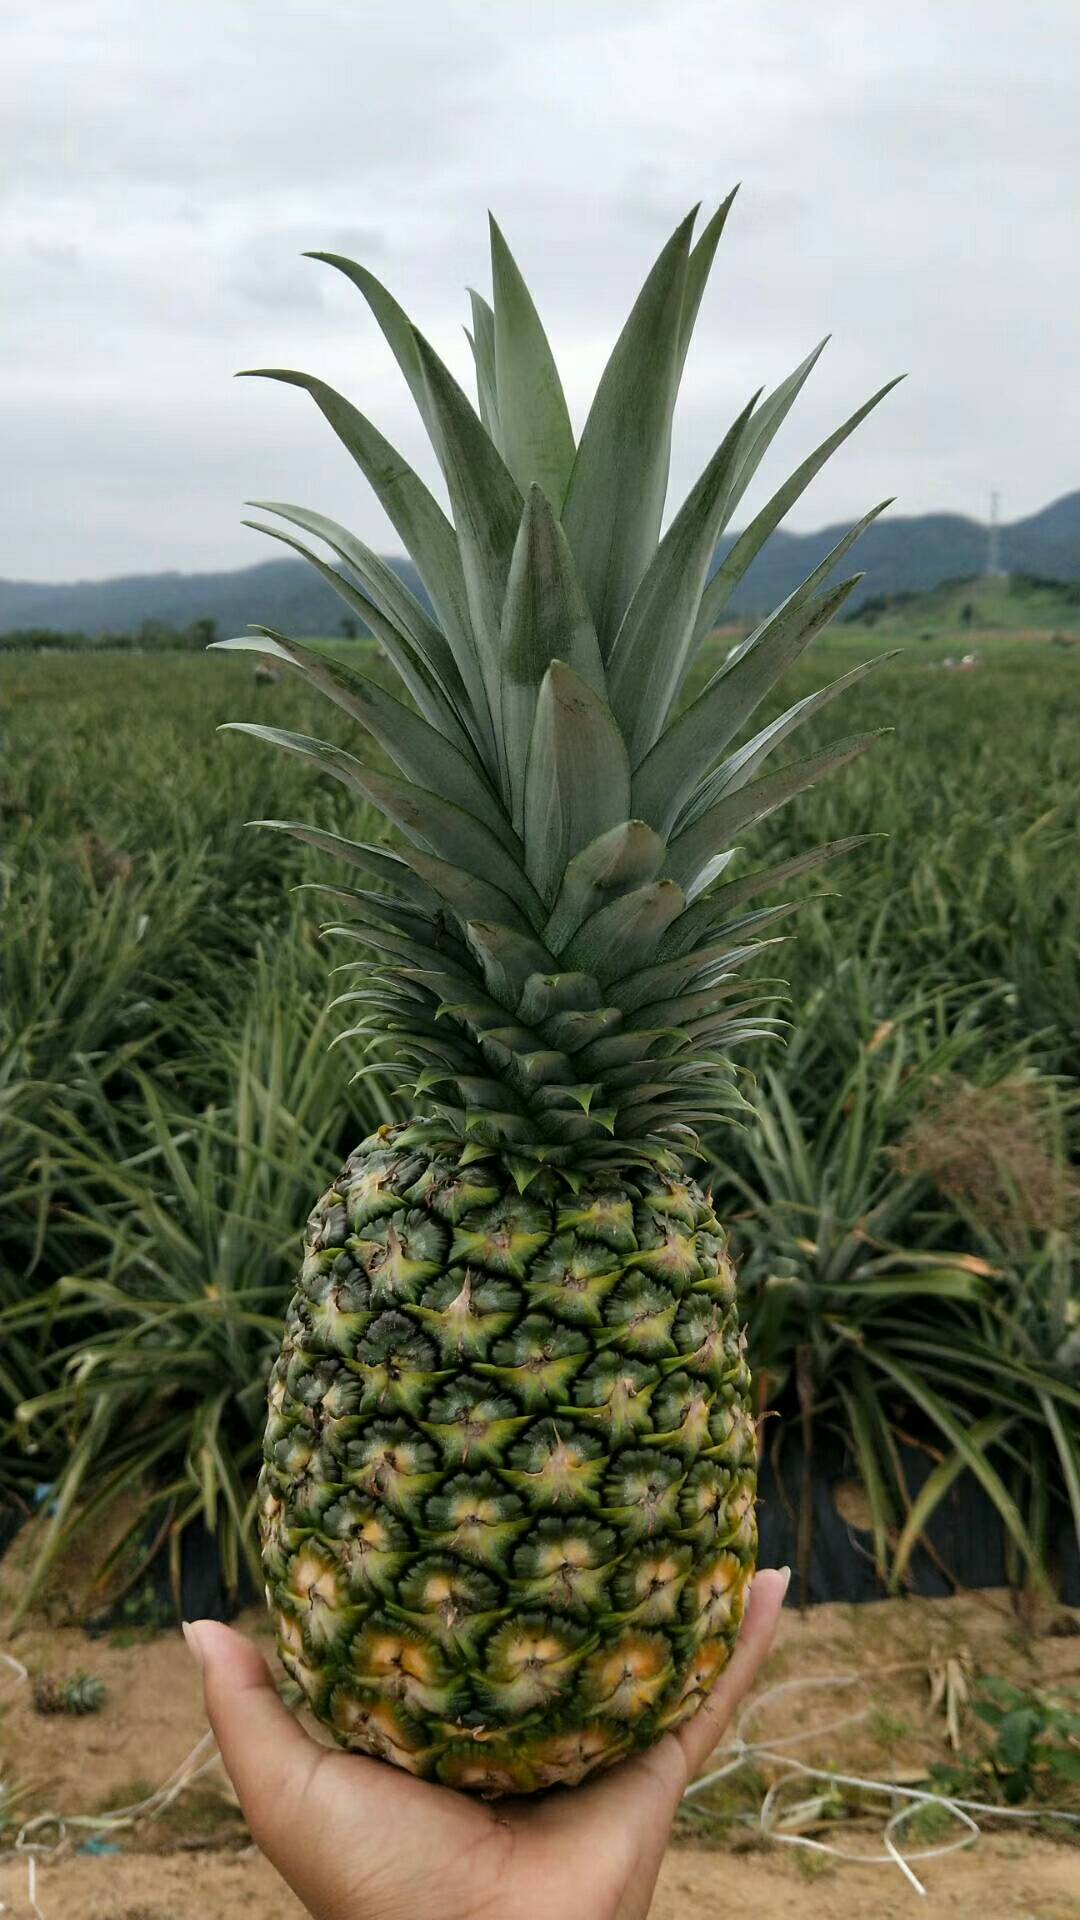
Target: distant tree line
{"type": "Point", "coordinates": [150, 636]}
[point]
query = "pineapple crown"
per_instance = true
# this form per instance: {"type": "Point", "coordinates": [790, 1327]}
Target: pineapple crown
{"type": "Point", "coordinates": [558, 971]}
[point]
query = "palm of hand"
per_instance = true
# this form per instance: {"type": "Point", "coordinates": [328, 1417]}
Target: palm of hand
{"type": "Point", "coordinates": [588, 1855]}
{"type": "Point", "coordinates": [357, 1840]}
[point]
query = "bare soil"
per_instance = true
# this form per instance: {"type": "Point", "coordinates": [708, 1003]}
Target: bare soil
{"type": "Point", "coordinates": [195, 1862]}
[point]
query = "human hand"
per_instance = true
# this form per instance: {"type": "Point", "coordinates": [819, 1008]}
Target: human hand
{"type": "Point", "coordinates": [359, 1840]}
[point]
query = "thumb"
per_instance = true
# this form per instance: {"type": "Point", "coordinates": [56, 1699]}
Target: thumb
{"type": "Point", "coordinates": [267, 1755]}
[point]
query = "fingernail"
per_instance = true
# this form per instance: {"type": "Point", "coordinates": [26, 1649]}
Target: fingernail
{"type": "Point", "coordinates": [191, 1635]}
{"type": "Point", "coordinates": [785, 1573]}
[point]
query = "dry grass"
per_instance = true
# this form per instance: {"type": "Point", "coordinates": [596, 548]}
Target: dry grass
{"type": "Point", "coordinates": [989, 1151]}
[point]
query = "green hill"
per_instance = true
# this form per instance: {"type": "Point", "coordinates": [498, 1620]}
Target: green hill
{"type": "Point", "coordinates": [980, 606]}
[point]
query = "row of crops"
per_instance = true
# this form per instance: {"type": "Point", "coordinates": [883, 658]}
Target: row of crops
{"type": "Point", "coordinates": [905, 1209]}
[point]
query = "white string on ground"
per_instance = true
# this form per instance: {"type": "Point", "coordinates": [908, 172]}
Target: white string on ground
{"type": "Point", "coordinates": [30, 1841]}
{"type": "Point", "coordinates": [743, 1751]}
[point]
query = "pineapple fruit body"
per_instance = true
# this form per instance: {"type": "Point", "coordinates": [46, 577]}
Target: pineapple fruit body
{"type": "Point", "coordinates": [507, 1503]}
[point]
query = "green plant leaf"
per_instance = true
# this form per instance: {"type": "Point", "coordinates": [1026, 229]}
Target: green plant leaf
{"type": "Point", "coordinates": [386, 588]}
{"type": "Point", "coordinates": [421, 753]}
{"type": "Point", "coordinates": [433, 824]}
{"type": "Point", "coordinates": [749, 544]}
{"type": "Point", "coordinates": [487, 508]}
{"type": "Point", "coordinates": [622, 934]}
{"type": "Point", "coordinates": [413, 670]}
{"type": "Point", "coordinates": [577, 777]}
{"type": "Point", "coordinates": [655, 641]}
{"type": "Point", "coordinates": [536, 439]}
{"type": "Point", "coordinates": [413, 511]}
{"type": "Point", "coordinates": [508, 959]}
{"type": "Point", "coordinates": [397, 328]}
{"type": "Point", "coordinates": [695, 740]}
{"type": "Point", "coordinates": [698, 269]}
{"type": "Point", "coordinates": [1015, 1735]}
{"type": "Point", "coordinates": [983, 1434]}
{"type": "Point", "coordinates": [623, 858]}
{"type": "Point", "coordinates": [699, 921]}
{"type": "Point", "coordinates": [615, 501]}
{"type": "Point", "coordinates": [768, 420]}
{"type": "Point", "coordinates": [692, 852]}
{"type": "Point", "coordinates": [482, 342]}
{"type": "Point", "coordinates": [742, 766]}
{"type": "Point", "coordinates": [545, 618]}
{"type": "Point", "coordinates": [974, 1456]}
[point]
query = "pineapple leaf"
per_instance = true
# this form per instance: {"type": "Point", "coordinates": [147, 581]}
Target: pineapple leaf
{"type": "Point", "coordinates": [377, 910]}
{"type": "Point", "coordinates": [466, 895]}
{"type": "Point", "coordinates": [394, 322]}
{"type": "Point", "coordinates": [385, 587]}
{"type": "Point", "coordinates": [626, 856]}
{"type": "Point", "coordinates": [413, 671]}
{"type": "Point", "coordinates": [741, 766]}
{"type": "Point", "coordinates": [749, 544]}
{"type": "Point", "coordinates": [393, 868]}
{"type": "Point", "coordinates": [691, 852]}
{"type": "Point", "coordinates": [482, 342]}
{"type": "Point", "coordinates": [615, 500]}
{"type": "Point", "coordinates": [508, 958]}
{"type": "Point", "coordinates": [697, 922]}
{"type": "Point", "coordinates": [421, 753]}
{"type": "Point", "coordinates": [710, 917]}
{"type": "Point", "coordinates": [433, 824]}
{"type": "Point", "coordinates": [536, 439]}
{"type": "Point", "coordinates": [487, 508]}
{"type": "Point", "coordinates": [698, 269]}
{"type": "Point", "coordinates": [703, 967]}
{"type": "Point", "coordinates": [577, 777]}
{"type": "Point", "coordinates": [768, 420]}
{"type": "Point", "coordinates": [413, 511]}
{"type": "Point", "coordinates": [617, 938]}
{"type": "Point", "coordinates": [654, 644]}
{"type": "Point", "coordinates": [695, 739]}
{"type": "Point", "coordinates": [545, 617]}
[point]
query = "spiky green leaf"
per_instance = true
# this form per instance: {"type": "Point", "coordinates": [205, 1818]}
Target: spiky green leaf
{"type": "Point", "coordinates": [615, 500]}
{"type": "Point", "coordinates": [545, 617]}
{"type": "Point", "coordinates": [577, 777]}
{"type": "Point", "coordinates": [535, 436]}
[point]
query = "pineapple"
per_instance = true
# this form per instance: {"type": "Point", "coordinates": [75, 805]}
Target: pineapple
{"type": "Point", "coordinates": [507, 1506]}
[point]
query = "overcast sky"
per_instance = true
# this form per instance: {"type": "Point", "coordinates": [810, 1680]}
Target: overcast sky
{"type": "Point", "coordinates": [910, 184]}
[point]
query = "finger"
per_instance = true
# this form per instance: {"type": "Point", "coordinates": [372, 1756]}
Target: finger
{"type": "Point", "coordinates": [700, 1735]}
{"type": "Point", "coordinates": [267, 1755]}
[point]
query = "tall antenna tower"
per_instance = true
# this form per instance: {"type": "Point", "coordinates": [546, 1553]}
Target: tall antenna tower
{"type": "Point", "coordinates": [994, 567]}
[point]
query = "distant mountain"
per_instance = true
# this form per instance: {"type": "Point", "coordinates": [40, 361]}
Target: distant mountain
{"type": "Point", "coordinates": [898, 554]}
{"type": "Point", "coordinates": [277, 593]}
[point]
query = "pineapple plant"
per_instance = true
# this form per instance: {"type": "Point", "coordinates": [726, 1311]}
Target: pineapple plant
{"type": "Point", "coordinates": [78, 1693]}
{"type": "Point", "coordinates": [507, 1505]}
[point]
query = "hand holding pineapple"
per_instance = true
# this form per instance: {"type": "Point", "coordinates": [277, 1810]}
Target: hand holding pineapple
{"type": "Point", "coordinates": [507, 1505]}
{"type": "Point", "coordinates": [359, 1841]}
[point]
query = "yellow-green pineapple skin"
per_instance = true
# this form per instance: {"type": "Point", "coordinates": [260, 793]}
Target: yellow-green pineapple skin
{"type": "Point", "coordinates": [507, 1505]}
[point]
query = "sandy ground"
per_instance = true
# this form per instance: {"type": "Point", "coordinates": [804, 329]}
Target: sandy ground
{"type": "Point", "coordinates": [195, 1863]}
{"type": "Point", "coordinates": [1003, 1880]}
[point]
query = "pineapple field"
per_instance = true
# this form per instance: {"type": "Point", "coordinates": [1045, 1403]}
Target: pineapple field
{"type": "Point", "coordinates": [903, 1209]}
